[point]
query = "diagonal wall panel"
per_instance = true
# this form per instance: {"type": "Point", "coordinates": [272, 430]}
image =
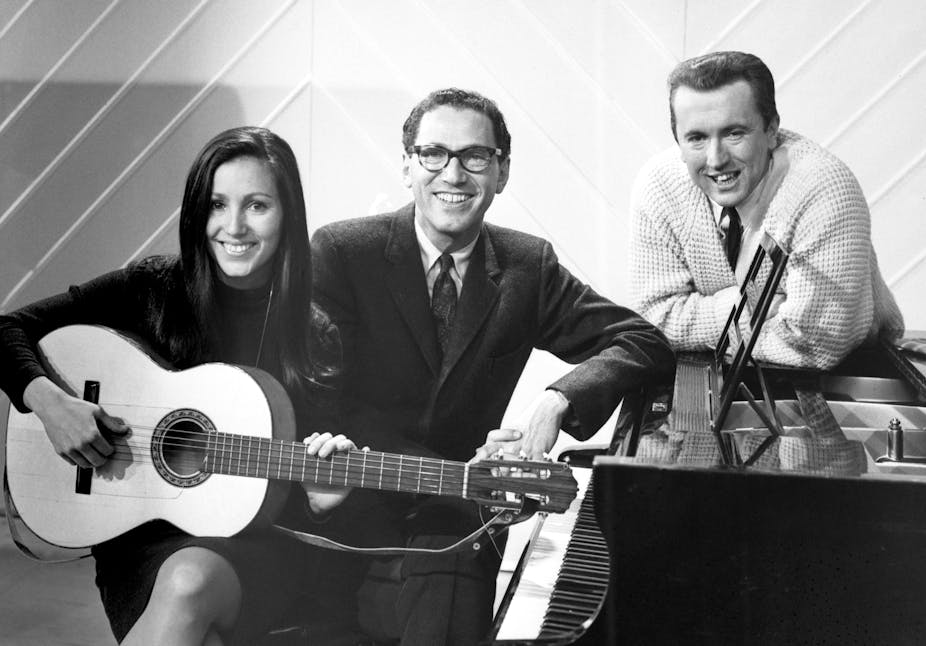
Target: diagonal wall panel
{"type": "Point", "coordinates": [582, 84]}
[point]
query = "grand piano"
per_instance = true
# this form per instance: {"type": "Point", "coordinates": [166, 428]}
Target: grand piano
{"type": "Point", "coordinates": [707, 531]}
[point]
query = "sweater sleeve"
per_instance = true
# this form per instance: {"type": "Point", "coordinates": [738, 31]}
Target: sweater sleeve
{"type": "Point", "coordinates": [828, 307]}
{"type": "Point", "coordinates": [616, 350]}
{"type": "Point", "coordinates": [664, 288]}
{"type": "Point", "coordinates": [110, 299]}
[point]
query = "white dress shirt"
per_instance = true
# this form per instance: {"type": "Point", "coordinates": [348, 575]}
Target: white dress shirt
{"type": "Point", "coordinates": [430, 255]}
{"type": "Point", "coordinates": [752, 214]}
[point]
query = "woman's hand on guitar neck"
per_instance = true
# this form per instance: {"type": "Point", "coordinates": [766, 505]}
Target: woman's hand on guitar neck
{"type": "Point", "coordinates": [73, 426]}
{"type": "Point", "coordinates": [324, 498]}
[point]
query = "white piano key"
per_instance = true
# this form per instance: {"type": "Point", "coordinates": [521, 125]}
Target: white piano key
{"type": "Point", "coordinates": [544, 559]}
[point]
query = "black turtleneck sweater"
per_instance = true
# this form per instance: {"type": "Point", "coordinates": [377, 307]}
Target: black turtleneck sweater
{"type": "Point", "coordinates": [129, 300]}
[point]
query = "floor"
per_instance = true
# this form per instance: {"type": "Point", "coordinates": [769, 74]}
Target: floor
{"type": "Point", "coordinates": [56, 604]}
{"type": "Point", "coordinates": [48, 604]}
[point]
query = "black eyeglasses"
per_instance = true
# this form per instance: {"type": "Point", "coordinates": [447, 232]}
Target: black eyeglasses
{"type": "Point", "coordinates": [435, 158]}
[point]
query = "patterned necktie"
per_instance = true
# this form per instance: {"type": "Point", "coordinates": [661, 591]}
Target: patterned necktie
{"type": "Point", "coordinates": [734, 234]}
{"type": "Point", "coordinates": [444, 302]}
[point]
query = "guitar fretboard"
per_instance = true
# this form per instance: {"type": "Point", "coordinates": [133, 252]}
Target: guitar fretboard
{"type": "Point", "coordinates": [241, 455]}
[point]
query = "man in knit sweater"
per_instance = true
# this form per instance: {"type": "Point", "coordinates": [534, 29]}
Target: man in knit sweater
{"type": "Point", "coordinates": [832, 297]}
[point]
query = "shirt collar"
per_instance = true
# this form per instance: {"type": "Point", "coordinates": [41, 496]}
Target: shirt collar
{"type": "Point", "coordinates": [430, 254]}
{"type": "Point", "coordinates": [752, 209]}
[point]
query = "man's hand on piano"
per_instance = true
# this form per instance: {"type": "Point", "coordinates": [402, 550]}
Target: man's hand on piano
{"type": "Point", "coordinates": [534, 432]}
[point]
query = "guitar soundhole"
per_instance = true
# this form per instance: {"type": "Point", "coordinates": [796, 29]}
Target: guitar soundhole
{"type": "Point", "coordinates": [179, 447]}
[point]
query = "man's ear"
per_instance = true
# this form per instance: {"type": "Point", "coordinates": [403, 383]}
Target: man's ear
{"type": "Point", "coordinates": [772, 133]}
{"type": "Point", "coordinates": [406, 170]}
{"type": "Point", "coordinates": [504, 167]}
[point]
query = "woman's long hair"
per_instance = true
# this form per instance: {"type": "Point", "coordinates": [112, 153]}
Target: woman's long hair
{"type": "Point", "coordinates": [188, 336]}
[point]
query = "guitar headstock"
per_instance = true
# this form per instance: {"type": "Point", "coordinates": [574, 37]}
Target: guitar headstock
{"type": "Point", "coordinates": [550, 484]}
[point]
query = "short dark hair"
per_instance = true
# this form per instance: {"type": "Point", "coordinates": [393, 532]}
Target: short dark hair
{"type": "Point", "coordinates": [462, 100]}
{"type": "Point", "coordinates": [711, 71]}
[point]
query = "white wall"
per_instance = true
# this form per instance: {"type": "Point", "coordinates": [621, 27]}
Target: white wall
{"type": "Point", "coordinates": [103, 104]}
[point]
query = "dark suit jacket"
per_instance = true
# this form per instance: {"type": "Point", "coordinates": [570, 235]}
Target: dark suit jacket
{"type": "Point", "coordinates": [398, 394]}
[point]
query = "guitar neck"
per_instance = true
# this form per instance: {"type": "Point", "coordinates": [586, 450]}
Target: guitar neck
{"type": "Point", "coordinates": [255, 457]}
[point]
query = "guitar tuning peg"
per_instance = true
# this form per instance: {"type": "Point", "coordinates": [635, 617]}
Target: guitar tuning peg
{"type": "Point", "coordinates": [499, 455]}
{"type": "Point", "coordinates": [522, 454]}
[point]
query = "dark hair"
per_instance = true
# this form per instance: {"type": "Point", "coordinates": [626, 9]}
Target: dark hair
{"type": "Point", "coordinates": [188, 335]}
{"type": "Point", "coordinates": [462, 100]}
{"type": "Point", "coordinates": [711, 71]}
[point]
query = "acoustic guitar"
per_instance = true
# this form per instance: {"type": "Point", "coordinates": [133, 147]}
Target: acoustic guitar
{"type": "Point", "coordinates": [211, 449]}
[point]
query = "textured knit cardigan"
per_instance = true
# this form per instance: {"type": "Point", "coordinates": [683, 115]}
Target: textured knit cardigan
{"type": "Point", "coordinates": [833, 295]}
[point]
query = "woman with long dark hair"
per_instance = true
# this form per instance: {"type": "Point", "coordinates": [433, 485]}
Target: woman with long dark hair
{"type": "Point", "coordinates": [239, 292]}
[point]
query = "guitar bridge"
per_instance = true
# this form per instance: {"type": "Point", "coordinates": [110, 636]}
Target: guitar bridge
{"type": "Point", "coordinates": [85, 474]}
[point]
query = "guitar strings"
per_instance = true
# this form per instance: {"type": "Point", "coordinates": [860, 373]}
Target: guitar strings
{"type": "Point", "coordinates": [335, 475]}
{"type": "Point", "coordinates": [397, 472]}
{"type": "Point", "coordinates": [399, 459]}
{"type": "Point", "coordinates": [272, 455]}
{"type": "Point", "coordinates": [203, 439]}
{"type": "Point", "coordinates": [287, 461]}
{"type": "Point", "coordinates": [278, 455]}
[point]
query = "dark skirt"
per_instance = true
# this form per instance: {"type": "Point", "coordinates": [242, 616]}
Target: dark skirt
{"type": "Point", "coordinates": [270, 567]}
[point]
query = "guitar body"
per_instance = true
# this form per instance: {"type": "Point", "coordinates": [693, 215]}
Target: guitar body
{"type": "Point", "coordinates": [156, 472]}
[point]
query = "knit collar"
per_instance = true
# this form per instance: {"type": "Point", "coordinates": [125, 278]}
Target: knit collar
{"type": "Point", "coordinates": [752, 210]}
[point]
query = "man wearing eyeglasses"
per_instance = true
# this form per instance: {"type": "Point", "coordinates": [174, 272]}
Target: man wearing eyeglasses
{"type": "Point", "coordinates": [438, 313]}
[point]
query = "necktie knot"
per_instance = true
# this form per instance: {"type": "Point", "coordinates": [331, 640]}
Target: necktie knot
{"type": "Point", "coordinates": [733, 234]}
{"type": "Point", "coordinates": [446, 263]}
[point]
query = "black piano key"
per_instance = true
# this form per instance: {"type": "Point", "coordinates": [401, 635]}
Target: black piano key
{"type": "Point", "coordinates": [582, 582]}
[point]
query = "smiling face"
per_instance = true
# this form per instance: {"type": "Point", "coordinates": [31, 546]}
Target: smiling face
{"type": "Point", "coordinates": [723, 140]}
{"type": "Point", "coordinates": [450, 204]}
{"type": "Point", "coordinates": [245, 223]}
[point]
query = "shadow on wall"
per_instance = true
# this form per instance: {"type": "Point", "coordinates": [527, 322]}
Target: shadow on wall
{"type": "Point", "coordinates": [122, 180]}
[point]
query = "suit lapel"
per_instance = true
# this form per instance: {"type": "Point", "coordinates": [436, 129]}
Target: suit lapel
{"type": "Point", "coordinates": [406, 282]}
{"type": "Point", "coordinates": [480, 291]}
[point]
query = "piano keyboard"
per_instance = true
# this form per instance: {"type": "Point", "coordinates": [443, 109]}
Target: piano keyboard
{"type": "Point", "coordinates": [562, 578]}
